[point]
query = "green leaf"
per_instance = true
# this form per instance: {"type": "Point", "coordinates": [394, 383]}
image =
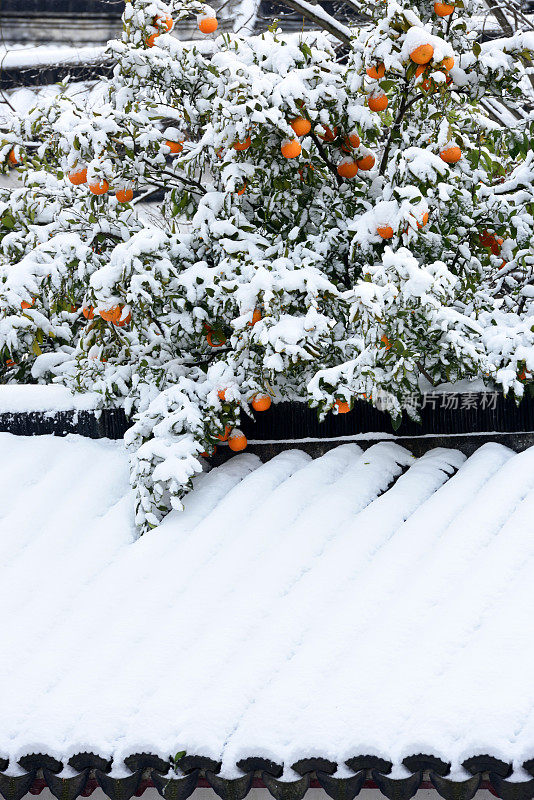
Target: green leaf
{"type": "Point", "coordinates": [396, 422]}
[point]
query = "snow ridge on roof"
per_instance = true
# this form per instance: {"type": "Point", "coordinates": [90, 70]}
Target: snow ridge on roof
{"type": "Point", "coordinates": [298, 609]}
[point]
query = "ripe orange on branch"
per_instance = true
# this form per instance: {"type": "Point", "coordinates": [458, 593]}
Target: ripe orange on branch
{"type": "Point", "coordinates": [99, 187]}
{"type": "Point", "coordinates": [223, 437]}
{"type": "Point", "coordinates": [261, 402]}
{"type": "Point", "coordinates": [385, 231]}
{"type": "Point", "coordinates": [13, 158]}
{"type": "Point", "coordinates": [24, 305]}
{"type": "Point", "coordinates": [351, 141]}
{"type": "Point", "coordinates": [448, 63]}
{"type": "Point", "coordinates": [443, 9]}
{"type": "Point", "coordinates": [424, 220]}
{"type": "Point", "coordinates": [377, 73]}
{"type": "Point", "coordinates": [174, 147]}
{"type": "Point", "coordinates": [112, 314]}
{"type": "Point", "coordinates": [342, 406]}
{"type": "Point", "coordinates": [163, 21]}
{"type": "Point", "coordinates": [377, 102]}
{"type": "Point", "coordinates": [347, 168]}
{"type": "Point", "coordinates": [366, 163]}
{"type": "Point", "coordinates": [237, 440]}
{"type": "Point", "coordinates": [239, 146]}
{"type": "Point", "coordinates": [301, 126]}
{"type": "Point", "coordinates": [451, 154]}
{"type": "Point", "coordinates": [78, 176]}
{"type": "Point", "coordinates": [150, 41]}
{"type": "Point", "coordinates": [422, 54]}
{"type": "Point", "coordinates": [124, 195]}
{"type": "Point", "coordinates": [291, 148]}
{"type": "Point", "coordinates": [88, 312]}
{"type": "Point", "coordinates": [207, 24]}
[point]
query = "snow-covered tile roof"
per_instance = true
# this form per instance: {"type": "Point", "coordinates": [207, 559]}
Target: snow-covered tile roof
{"type": "Point", "coordinates": [363, 602]}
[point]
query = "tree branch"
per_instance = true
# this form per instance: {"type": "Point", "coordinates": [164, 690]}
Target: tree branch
{"type": "Point", "coordinates": [326, 160]}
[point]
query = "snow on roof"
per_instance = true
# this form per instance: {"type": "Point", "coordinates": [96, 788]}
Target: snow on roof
{"type": "Point", "coordinates": [16, 56]}
{"type": "Point", "coordinates": [363, 602]}
{"type": "Point", "coordinates": [17, 398]}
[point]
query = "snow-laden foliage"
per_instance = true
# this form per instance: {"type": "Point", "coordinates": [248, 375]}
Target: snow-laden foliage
{"type": "Point", "coordinates": [341, 259]}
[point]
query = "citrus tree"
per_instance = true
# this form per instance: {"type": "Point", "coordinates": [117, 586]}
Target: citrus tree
{"type": "Point", "coordinates": [320, 228]}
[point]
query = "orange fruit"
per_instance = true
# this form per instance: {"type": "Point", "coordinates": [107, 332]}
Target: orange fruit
{"type": "Point", "coordinates": [256, 316]}
{"type": "Point", "coordinates": [163, 21]}
{"type": "Point", "coordinates": [377, 102]}
{"type": "Point", "coordinates": [448, 63]}
{"type": "Point", "coordinates": [10, 362]}
{"type": "Point", "coordinates": [243, 189]}
{"type": "Point", "coordinates": [351, 141]}
{"type": "Point", "coordinates": [291, 148]}
{"type": "Point", "coordinates": [342, 406]}
{"type": "Point", "coordinates": [237, 440]}
{"type": "Point", "coordinates": [451, 154]}
{"type": "Point", "coordinates": [99, 187]}
{"type": "Point", "coordinates": [443, 9]}
{"type": "Point", "coordinates": [496, 245]}
{"type": "Point", "coordinates": [150, 41]}
{"type": "Point", "coordinates": [385, 231]}
{"type": "Point", "coordinates": [88, 312]}
{"type": "Point", "coordinates": [377, 73]}
{"type": "Point", "coordinates": [242, 145]}
{"type": "Point", "coordinates": [127, 319]}
{"type": "Point", "coordinates": [424, 220]}
{"type": "Point", "coordinates": [522, 376]}
{"type": "Point", "coordinates": [348, 168]}
{"type": "Point", "coordinates": [385, 341]}
{"type": "Point", "coordinates": [174, 147]}
{"type": "Point", "coordinates": [208, 24]}
{"type": "Point", "coordinates": [112, 314]}
{"type": "Point", "coordinates": [221, 394]}
{"type": "Point", "coordinates": [328, 135]}
{"type": "Point", "coordinates": [261, 402]}
{"type": "Point", "coordinates": [78, 176]}
{"type": "Point", "coordinates": [301, 126]}
{"type": "Point", "coordinates": [422, 54]}
{"type": "Point", "coordinates": [223, 437]}
{"type": "Point", "coordinates": [492, 241]}
{"type": "Point", "coordinates": [215, 339]}
{"type": "Point", "coordinates": [24, 305]}
{"type": "Point", "coordinates": [13, 158]}
{"type": "Point", "coordinates": [205, 454]}
{"type": "Point", "coordinates": [124, 195]}
{"type": "Point", "coordinates": [366, 162]}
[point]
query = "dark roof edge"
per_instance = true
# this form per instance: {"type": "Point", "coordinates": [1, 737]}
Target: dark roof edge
{"type": "Point", "coordinates": [150, 771]}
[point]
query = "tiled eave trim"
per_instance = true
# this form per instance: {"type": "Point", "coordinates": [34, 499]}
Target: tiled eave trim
{"type": "Point", "coordinates": [148, 771]}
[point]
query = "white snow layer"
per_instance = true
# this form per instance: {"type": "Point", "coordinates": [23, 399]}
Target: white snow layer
{"type": "Point", "coordinates": [361, 602]}
{"type": "Point", "coordinates": [45, 398]}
